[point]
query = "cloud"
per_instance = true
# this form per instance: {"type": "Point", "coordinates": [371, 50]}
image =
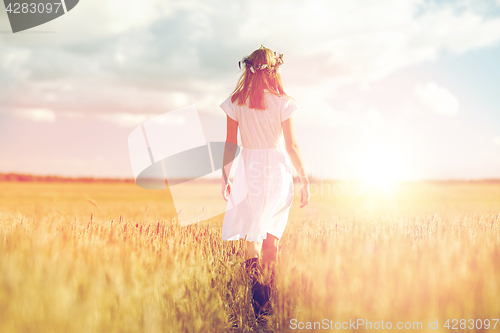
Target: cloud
{"type": "Point", "coordinates": [349, 41]}
{"type": "Point", "coordinates": [126, 119]}
{"type": "Point", "coordinates": [134, 119]}
{"type": "Point", "coordinates": [37, 115]}
{"type": "Point", "coordinates": [437, 99]}
{"type": "Point", "coordinates": [496, 140]}
{"type": "Point", "coordinates": [350, 38]}
{"type": "Point", "coordinates": [116, 57]}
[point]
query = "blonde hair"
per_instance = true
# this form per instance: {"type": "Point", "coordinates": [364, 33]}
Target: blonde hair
{"type": "Point", "coordinates": [252, 83]}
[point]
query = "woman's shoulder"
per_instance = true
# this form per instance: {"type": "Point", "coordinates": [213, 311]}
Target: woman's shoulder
{"type": "Point", "coordinates": [283, 98]}
{"type": "Point", "coordinates": [287, 101]}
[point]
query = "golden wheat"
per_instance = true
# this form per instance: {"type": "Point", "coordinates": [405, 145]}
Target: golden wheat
{"type": "Point", "coordinates": [111, 258]}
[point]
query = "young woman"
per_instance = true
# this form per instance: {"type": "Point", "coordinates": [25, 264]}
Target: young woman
{"type": "Point", "coordinates": [261, 194]}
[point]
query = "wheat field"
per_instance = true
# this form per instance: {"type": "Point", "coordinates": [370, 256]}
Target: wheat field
{"type": "Point", "coordinates": [90, 257]}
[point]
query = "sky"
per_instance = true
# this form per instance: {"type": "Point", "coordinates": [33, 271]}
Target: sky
{"type": "Point", "coordinates": [385, 89]}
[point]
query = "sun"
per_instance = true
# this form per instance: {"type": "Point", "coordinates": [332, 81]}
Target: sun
{"type": "Point", "coordinates": [380, 165]}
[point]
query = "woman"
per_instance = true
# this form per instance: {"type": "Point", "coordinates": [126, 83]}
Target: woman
{"type": "Point", "coordinates": [261, 194]}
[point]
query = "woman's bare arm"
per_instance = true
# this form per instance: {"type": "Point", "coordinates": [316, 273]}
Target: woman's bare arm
{"type": "Point", "coordinates": [229, 153]}
{"type": "Point", "coordinates": [294, 152]}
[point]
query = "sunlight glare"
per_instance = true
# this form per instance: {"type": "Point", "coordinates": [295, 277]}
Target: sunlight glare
{"type": "Point", "coordinates": [381, 166]}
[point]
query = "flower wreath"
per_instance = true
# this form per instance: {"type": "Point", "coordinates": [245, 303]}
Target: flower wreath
{"type": "Point", "coordinates": [259, 68]}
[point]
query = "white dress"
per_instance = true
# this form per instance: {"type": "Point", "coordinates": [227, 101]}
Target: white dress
{"type": "Point", "coordinates": [262, 189]}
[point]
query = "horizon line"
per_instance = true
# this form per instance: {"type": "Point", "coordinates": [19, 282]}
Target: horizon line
{"type": "Point", "coordinates": [22, 177]}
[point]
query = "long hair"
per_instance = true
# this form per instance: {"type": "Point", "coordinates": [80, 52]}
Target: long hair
{"type": "Point", "coordinates": [251, 85]}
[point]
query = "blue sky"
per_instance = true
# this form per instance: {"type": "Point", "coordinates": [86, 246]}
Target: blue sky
{"type": "Point", "coordinates": [405, 89]}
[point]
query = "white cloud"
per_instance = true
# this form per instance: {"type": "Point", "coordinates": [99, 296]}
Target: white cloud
{"type": "Point", "coordinates": [37, 114]}
{"type": "Point", "coordinates": [374, 116]}
{"type": "Point", "coordinates": [496, 140]}
{"type": "Point", "coordinates": [437, 99]}
{"type": "Point", "coordinates": [72, 114]}
{"type": "Point", "coordinates": [161, 55]}
{"type": "Point", "coordinates": [126, 119]}
{"type": "Point", "coordinates": [348, 41]}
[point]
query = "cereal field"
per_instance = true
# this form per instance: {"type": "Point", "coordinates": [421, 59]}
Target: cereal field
{"type": "Point", "coordinates": [91, 257]}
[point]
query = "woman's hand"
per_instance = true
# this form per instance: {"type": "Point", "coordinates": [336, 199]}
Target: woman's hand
{"type": "Point", "coordinates": [305, 194]}
{"type": "Point", "coordinates": [226, 189]}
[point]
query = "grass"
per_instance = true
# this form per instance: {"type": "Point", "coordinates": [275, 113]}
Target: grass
{"type": "Point", "coordinates": [111, 258]}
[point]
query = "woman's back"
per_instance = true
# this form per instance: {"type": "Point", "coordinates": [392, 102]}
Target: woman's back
{"type": "Point", "coordinates": [260, 198]}
{"type": "Point", "coordinates": [261, 129]}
